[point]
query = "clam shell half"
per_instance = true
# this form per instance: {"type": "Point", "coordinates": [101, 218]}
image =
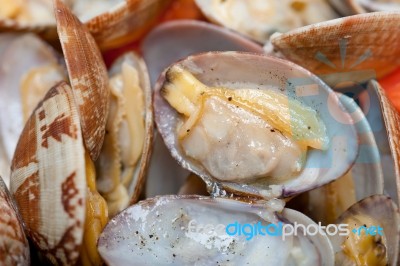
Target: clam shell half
{"type": "Point", "coordinates": [184, 230]}
{"type": "Point", "coordinates": [235, 70]}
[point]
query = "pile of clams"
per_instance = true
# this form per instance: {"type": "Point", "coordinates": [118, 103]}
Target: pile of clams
{"type": "Point", "coordinates": [199, 143]}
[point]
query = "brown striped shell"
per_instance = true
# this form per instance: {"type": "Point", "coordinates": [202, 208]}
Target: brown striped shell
{"type": "Point", "coordinates": [14, 247]}
{"type": "Point", "coordinates": [361, 42]}
{"type": "Point", "coordinates": [88, 77]}
{"type": "Point", "coordinates": [48, 176]}
{"type": "Point", "coordinates": [49, 171]}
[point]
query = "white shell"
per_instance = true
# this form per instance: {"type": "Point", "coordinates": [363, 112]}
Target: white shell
{"type": "Point", "coordinates": [162, 231]}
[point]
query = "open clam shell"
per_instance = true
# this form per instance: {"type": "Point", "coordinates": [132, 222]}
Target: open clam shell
{"type": "Point", "coordinates": [235, 70]}
{"type": "Point", "coordinates": [375, 211]}
{"type": "Point", "coordinates": [141, 234]}
{"type": "Point", "coordinates": [20, 55]}
{"type": "Point", "coordinates": [14, 246]}
{"type": "Point", "coordinates": [362, 42]}
{"type": "Point", "coordinates": [52, 173]}
{"type": "Point", "coordinates": [259, 19]}
{"type": "Point", "coordinates": [124, 158]}
{"type": "Point", "coordinates": [181, 39]}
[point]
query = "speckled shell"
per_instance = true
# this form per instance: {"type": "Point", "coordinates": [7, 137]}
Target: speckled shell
{"type": "Point", "coordinates": [362, 42]}
{"type": "Point", "coordinates": [88, 77]}
{"type": "Point", "coordinates": [14, 247]}
{"type": "Point", "coordinates": [236, 70]}
{"type": "Point", "coordinates": [48, 177]}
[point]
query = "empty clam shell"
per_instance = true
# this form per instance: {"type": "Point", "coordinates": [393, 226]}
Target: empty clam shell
{"type": "Point", "coordinates": [235, 70]}
{"type": "Point", "coordinates": [259, 19]}
{"type": "Point", "coordinates": [362, 42]}
{"type": "Point", "coordinates": [14, 247]}
{"type": "Point", "coordinates": [181, 39]}
{"type": "Point", "coordinates": [196, 234]}
{"type": "Point", "coordinates": [369, 247]}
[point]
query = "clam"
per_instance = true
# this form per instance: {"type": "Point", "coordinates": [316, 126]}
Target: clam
{"type": "Point", "coordinates": [375, 232]}
{"type": "Point", "coordinates": [258, 19]}
{"type": "Point", "coordinates": [255, 117]}
{"type": "Point", "coordinates": [112, 23]}
{"type": "Point", "coordinates": [28, 68]}
{"type": "Point", "coordinates": [122, 164]}
{"type": "Point", "coordinates": [181, 39]}
{"type": "Point", "coordinates": [53, 175]}
{"type": "Point", "coordinates": [352, 44]}
{"type": "Point", "coordinates": [52, 171]}
{"type": "Point", "coordinates": [196, 234]}
{"type": "Point", "coordinates": [14, 246]}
